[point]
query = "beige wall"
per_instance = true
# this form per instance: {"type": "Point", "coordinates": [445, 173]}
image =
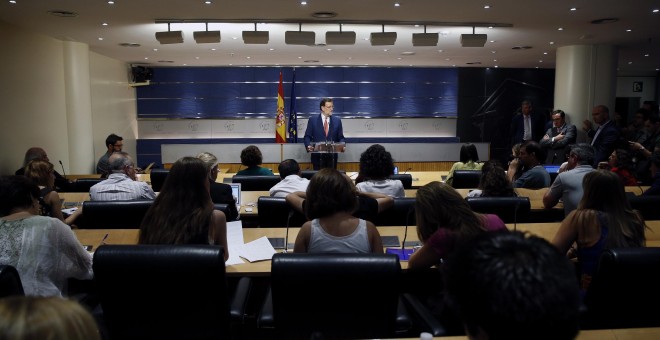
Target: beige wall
{"type": "Point", "coordinates": [33, 100]}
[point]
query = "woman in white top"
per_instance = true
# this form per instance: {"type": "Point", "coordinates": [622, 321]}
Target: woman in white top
{"type": "Point", "coordinates": [376, 165]}
{"type": "Point", "coordinates": [330, 202]}
{"type": "Point", "coordinates": [44, 250]}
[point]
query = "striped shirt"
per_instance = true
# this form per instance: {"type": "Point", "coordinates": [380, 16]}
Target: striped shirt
{"type": "Point", "coordinates": [120, 187]}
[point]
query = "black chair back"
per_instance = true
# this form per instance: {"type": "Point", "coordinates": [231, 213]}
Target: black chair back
{"type": "Point", "coordinates": [222, 207]}
{"type": "Point", "coordinates": [509, 209]}
{"type": "Point", "coordinates": [157, 177]}
{"type": "Point", "coordinates": [83, 184]}
{"type": "Point", "coordinates": [400, 214]}
{"type": "Point", "coordinates": [256, 183]}
{"type": "Point", "coordinates": [163, 291]}
{"type": "Point", "coordinates": [466, 179]}
{"type": "Point", "coordinates": [113, 214]}
{"type": "Point", "coordinates": [274, 213]}
{"type": "Point", "coordinates": [648, 206]}
{"type": "Point", "coordinates": [623, 293]}
{"type": "Point", "coordinates": [10, 281]}
{"type": "Point", "coordinates": [406, 180]}
{"type": "Point", "coordinates": [310, 294]}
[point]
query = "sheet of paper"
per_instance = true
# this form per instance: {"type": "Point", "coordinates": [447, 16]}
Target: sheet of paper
{"type": "Point", "coordinates": [257, 250]}
{"type": "Point", "coordinates": [234, 242]}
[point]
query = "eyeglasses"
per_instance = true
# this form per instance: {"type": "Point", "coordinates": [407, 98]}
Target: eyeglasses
{"type": "Point", "coordinates": [329, 107]}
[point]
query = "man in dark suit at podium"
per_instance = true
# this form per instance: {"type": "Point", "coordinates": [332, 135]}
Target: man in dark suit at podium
{"type": "Point", "coordinates": [321, 128]}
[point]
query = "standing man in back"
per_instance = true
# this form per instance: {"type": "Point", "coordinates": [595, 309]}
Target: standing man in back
{"type": "Point", "coordinates": [526, 125]}
{"type": "Point", "coordinates": [321, 128]}
{"type": "Point", "coordinates": [114, 143]}
{"type": "Point", "coordinates": [558, 138]}
{"type": "Point", "coordinates": [605, 137]}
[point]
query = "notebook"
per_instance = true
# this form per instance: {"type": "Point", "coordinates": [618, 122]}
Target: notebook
{"type": "Point", "coordinates": [236, 192]}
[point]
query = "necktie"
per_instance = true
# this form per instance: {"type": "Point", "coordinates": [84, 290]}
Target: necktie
{"type": "Point", "coordinates": [325, 126]}
{"type": "Point", "coordinates": [527, 133]}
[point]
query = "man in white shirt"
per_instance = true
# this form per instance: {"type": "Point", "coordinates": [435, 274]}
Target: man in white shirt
{"type": "Point", "coordinates": [122, 184]}
{"type": "Point", "coordinates": [291, 180]}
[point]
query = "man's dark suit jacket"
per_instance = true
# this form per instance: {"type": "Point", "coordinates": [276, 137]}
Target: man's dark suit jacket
{"type": "Point", "coordinates": [518, 129]}
{"type": "Point", "coordinates": [556, 151]}
{"type": "Point", "coordinates": [315, 133]}
{"type": "Point", "coordinates": [605, 143]}
{"type": "Point", "coordinates": [221, 193]}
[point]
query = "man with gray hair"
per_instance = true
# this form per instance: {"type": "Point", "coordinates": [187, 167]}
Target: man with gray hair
{"type": "Point", "coordinates": [568, 184]}
{"type": "Point", "coordinates": [122, 184]}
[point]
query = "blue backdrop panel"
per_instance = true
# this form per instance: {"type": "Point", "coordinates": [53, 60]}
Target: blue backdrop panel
{"type": "Point", "coordinates": [238, 92]}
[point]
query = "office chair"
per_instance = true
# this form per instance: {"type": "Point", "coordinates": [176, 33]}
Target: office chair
{"type": "Point", "coordinates": [256, 183]}
{"type": "Point", "coordinates": [167, 292]}
{"type": "Point", "coordinates": [406, 180]}
{"type": "Point", "coordinates": [466, 179]}
{"type": "Point", "coordinates": [83, 184]}
{"type": "Point", "coordinates": [113, 214]}
{"type": "Point", "coordinates": [400, 214]}
{"type": "Point", "coordinates": [336, 295]}
{"type": "Point", "coordinates": [274, 213]}
{"type": "Point", "coordinates": [157, 178]}
{"type": "Point", "coordinates": [10, 281]}
{"type": "Point", "coordinates": [623, 292]}
{"type": "Point", "coordinates": [509, 209]}
{"type": "Point", "coordinates": [648, 206]}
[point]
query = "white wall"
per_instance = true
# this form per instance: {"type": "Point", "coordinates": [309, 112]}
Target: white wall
{"type": "Point", "coordinates": [33, 110]}
{"type": "Point", "coordinates": [113, 104]}
{"type": "Point", "coordinates": [624, 88]}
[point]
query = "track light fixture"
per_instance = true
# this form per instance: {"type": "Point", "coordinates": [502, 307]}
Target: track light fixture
{"type": "Point", "coordinates": [340, 38]}
{"type": "Point", "coordinates": [300, 37]}
{"type": "Point", "coordinates": [206, 37]}
{"type": "Point", "coordinates": [255, 37]}
{"type": "Point", "coordinates": [425, 39]}
{"type": "Point", "coordinates": [382, 38]}
{"type": "Point", "coordinates": [169, 37]}
{"type": "Point", "coordinates": [473, 40]}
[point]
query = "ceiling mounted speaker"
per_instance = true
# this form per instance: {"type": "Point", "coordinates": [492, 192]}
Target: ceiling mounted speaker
{"type": "Point", "coordinates": [299, 38]}
{"type": "Point", "coordinates": [206, 37]}
{"type": "Point", "coordinates": [473, 40]}
{"type": "Point", "coordinates": [340, 38]}
{"type": "Point", "coordinates": [425, 39]}
{"type": "Point", "coordinates": [255, 37]}
{"type": "Point", "coordinates": [170, 37]}
{"type": "Point", "coordinates": [384, 38]}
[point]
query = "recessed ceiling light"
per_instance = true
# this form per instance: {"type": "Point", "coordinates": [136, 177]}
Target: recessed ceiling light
{"type": "Point", "coordinates": [197, 58]}
{"type": "Point", "coordinates": [234, 38]}
{"type": "Point", "coordinates": [573, 8]}
{"type": "Point", "coordinates": [646, 55]}
{"type": "Point", "coordinates": [493, 41]}
{"type": "Point", "coordinates": [540, 61]}
{"type": "Point", "coordinates": [496, 66]}
{"type": "Point", "coordinates": [630, 63]}
{"type": "Point", "coordinates": [146, 58]}
{"type": "Point", "coordinates": [328, 49]}
{"type": "Point", "coordinates": [486, 6]}
{"type": "Point", "coordinates": [185, 64]}
{"type": "Point", "coordinates": [396, 4]}
{"type": "Point", "coordinates": [629, 30]}
{"type": "Point", "coordinates": [248, 57]}
{"type": "Point", "coordinates": [545, 53]}
{"type": "Point", "coordinates": [100, 38]}
{"type": "Point", "coordinates": [656, 11]}
{"type": "Point", "coordinates": [410, 53]}
{"type": "Point", "coordinates": [490, 26]}
{"type": "Point", "coordinates": [440, 51]}
{"type": "Point", "coordinates": [104, 24]}
{"type": "Point", "coordinates": [155, 50]}
{"type": "Point", "coordinates": [398, 58]}
{"type": "Point", "coordinates": [213, 49]}
{"type": "Point", "coordinates": [560, 29]}
{"type": "Point", "coordinates": [208, 2]}
{"type": "Point", "coordinates": [447, 59]}
{"type": "Point", "coordinates": [552, 43]}
{"type": "Point", "coordinates": [385, 50]}
{"type": "Point", "coordinates": [494, 60]}
{"type": "Point", "coordinates": [12, 1]}
{"type": "Point", "coordinates": [493, 52]}
{"type": "Point", "coordinates": [271, 49]}
{"type": "Point", "coordinates": [110, 2]}
{"type": "Point", "coordinates": [299, 57]}
{"type": "Point", "coordinates": [303, 3]}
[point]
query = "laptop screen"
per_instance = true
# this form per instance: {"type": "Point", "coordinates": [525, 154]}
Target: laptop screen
{"type": "Point", "coordinates": [236, 192]}
{"type": "Point", "coordinates": [551, 168]}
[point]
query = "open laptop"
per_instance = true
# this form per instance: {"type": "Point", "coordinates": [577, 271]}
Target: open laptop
{"type": "Point", "coordinates": [236, 192]}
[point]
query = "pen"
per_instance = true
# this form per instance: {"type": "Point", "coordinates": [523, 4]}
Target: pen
{"type": "Point", "coordinates": [103, 240]}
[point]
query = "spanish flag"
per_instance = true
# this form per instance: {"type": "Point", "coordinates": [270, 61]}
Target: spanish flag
{"type": "Point", "coordinates": [280, 121]}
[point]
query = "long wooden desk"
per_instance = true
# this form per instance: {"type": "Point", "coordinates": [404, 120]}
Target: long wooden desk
{"type": "Point", "coordinates": [130, 236]}
{"type": "Point", "coordinates": [652, 333]}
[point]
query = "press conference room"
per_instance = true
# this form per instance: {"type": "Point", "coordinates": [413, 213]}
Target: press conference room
{"type": "Point", "coordinates": [421, 79]}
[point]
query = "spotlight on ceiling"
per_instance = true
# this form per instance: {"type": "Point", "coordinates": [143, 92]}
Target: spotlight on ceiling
{"type": "Point", "coordinates": [299, 37]}
{"type": "Point", "coordinates": [169, 37]}
{"type": "Point", "coordinates": [206, 37]}
{"type": "Point", "coordinates": [255, 37]}
{"type": "Point", "coordinates": [425, 39]}
{"type": "Point", "coordinates": [340, 38]}
{"type": "Point", "coordinates": [382, 38]}
{"type": "Point", "coordinates": [473, 40]}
